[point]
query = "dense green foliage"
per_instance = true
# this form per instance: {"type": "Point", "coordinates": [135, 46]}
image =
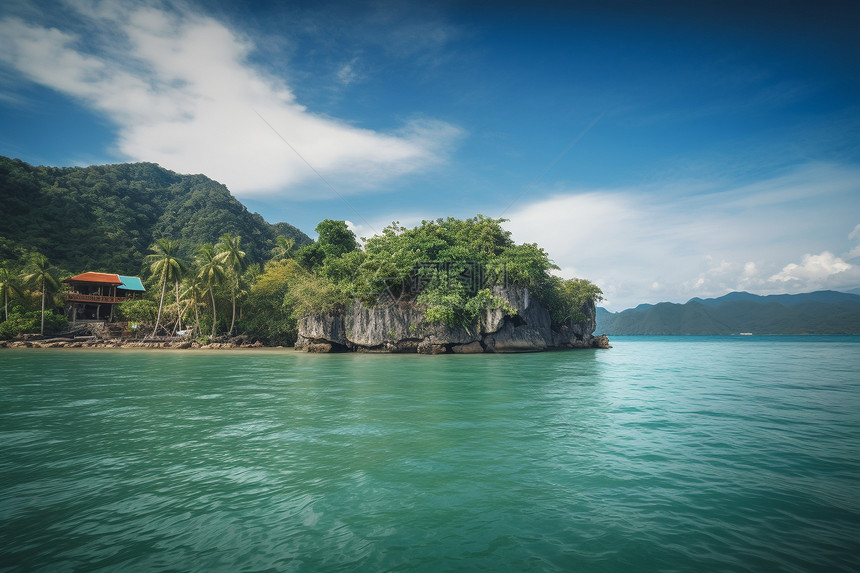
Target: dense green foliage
{"type": "Point", "coordinates": [166, 267]}
{"type": "Point", "coordinates": [267, 309]}
{"type": "Point", "coordinates": [27, 284]}
{"type": "Point", "coordinates": [185, 236]}
{"type": "Point", "coordinates": [824, 312]}
{"type": "Point", "coordinates": [232, 257]}
{"type": "Point", "coordinates": [23, 322]}
{"type": "Point", "coordinates": [448, 266]}
{"type": "Point", "coordinates": [10, 286]}
{"type": "Point", "coordinates": [40, 274]}
{"type": "Point", "coordinates": [137, 311]}
{"type": "Point", "coordinates": [181, 295]}
{"type": "Point", "coordinates": [211, 274]}
{"type": "Point", "coordinates": [105, 217]}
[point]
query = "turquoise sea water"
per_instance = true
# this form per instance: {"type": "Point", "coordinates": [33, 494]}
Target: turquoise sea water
{"type": "Point", "coordinates": [661, 454]}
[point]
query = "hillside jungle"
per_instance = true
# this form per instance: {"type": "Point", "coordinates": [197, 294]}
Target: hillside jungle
{"type": "Point", "coordinates": [108, 216]}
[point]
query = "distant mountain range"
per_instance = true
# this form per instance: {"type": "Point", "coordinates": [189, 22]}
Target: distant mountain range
{"type": "Point", "coordinates": [821, 312]}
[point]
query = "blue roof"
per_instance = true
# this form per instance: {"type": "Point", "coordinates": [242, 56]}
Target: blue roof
{"type": "Point", "coordinates": [131, 283]}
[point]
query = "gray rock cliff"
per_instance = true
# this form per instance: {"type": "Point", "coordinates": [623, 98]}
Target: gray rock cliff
{"type": "Point", "coordinates": [402, 328]}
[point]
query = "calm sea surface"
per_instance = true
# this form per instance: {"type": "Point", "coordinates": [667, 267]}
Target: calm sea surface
{"type": "Point", "coordinates": [662, 454]}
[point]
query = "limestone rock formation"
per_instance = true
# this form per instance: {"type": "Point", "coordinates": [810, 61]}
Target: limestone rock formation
{"type": "Point", "coordinates": [402, 328]}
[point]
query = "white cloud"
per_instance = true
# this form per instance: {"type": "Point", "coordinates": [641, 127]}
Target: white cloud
{"type": "Point", "coordinates": [360, 231]}
{"type": "Point", "coordinates": [182, 93]}
{"type": "Point", "coordinates": [813, 269]}
{"type": "Point", "coordinates": [855, 251]}
{"type": "Point", "coordinates": [346, 74]}
{"type": "Point", "coordinates": [705, 244]}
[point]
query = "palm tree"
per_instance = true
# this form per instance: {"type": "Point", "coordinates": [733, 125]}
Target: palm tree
{"type": "Point", "coordinates": [179, 313]}
{"type": "Point", "coordinates": [41, 276]}
{"type": "Point", "coordinates": [248, 280]}
{"type": "Point", "coordinates": [167, 266]}
{"type": "Point", "coordinates": [8, 284]}
{"type": "Point", "coordinates": [233, 259]}
{"type": "Point", "coordinates": [193, 296]}
{"type": "Point", "coordinates": [283, 248]}
{"type": "Point", "coordinates": [211, 272]}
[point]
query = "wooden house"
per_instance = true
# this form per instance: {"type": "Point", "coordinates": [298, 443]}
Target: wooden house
{"type": "Point", "coordinates": [92, 296]}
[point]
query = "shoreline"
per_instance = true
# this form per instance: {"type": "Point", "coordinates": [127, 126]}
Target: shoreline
{"type": "Point", "coordinates": [119, 344]}
{"type": "Point", "coordinates": [136, 344]}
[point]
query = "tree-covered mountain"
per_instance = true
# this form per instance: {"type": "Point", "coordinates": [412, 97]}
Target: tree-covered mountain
{"type": "Point", "coordinates": [105, 217]}
{"type": "Point", "coordinates": [822, 312]}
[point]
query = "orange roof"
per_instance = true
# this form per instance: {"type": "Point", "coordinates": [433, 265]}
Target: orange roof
{"type": "Point", "coordinates": [95, 278]}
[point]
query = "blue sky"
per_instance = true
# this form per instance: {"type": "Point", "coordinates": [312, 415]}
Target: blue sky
{"type": "Point", "coordinates": [664, 150]}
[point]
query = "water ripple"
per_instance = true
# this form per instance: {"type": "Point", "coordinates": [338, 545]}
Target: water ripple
{"type": "Point", "coordinates": [659, 455]}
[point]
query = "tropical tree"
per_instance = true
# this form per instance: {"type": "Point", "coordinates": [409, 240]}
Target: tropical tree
{"type": "Point", "coordinates": [8, 285]}
{"type": "Point", "coordinates": [164, 263]}
{"type": "Point", "coordinates": [211, 272]}
{"type": "Point", "coordinates": [138, 311]}
{"type": "Point", "coordinates": [283, 248]}
{"type": "Point", "coordinates": [251, 275]}
{"type": "Point", "coordinates": [335, 238]}
{"type": "Point", "coordinates": [233, 259]}
{"type": "Point", "coordinates": [40, 274]}
{"type": "Point", "coordinates": [193, 296]}
{"type": "Point", "coordinates": [180, 312]}
{"type": "Point", "coordinates": [572, 296]}
{"type": "Point", "coordinates": [269, 318]}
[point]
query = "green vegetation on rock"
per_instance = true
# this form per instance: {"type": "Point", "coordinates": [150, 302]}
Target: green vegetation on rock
{"type": "Point", "coordinates": [447, 266]}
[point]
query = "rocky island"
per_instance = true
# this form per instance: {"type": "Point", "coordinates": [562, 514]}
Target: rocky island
{"type": "Point", "coordinates": [446, 286]}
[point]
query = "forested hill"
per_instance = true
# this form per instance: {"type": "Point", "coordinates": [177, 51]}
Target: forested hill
{"type": "Point", "coordinates": [105, 217]}
{"type": "Point", "coordinates": [822, 312]}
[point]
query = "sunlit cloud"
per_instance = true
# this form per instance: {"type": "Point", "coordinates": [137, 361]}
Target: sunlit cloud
{"type": "Point", "coordinates": [674, 246]}
{"type": "Point", "coordinates": [179, 88]}
{"type": "Point", "coordinates": [813, 268]}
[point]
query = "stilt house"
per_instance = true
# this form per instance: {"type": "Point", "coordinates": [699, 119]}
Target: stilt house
{"type": "Point", "coordinates": [92, 296]}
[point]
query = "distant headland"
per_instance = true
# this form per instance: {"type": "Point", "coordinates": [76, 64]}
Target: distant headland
{"type": "Point", "coordinates": [821, 312]}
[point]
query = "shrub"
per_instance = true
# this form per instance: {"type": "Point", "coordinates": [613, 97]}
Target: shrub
{"type": "Point", "coordinates": [308, 293]}
{"type": "Point", "coordinates": [21, 322]}
{"type": "Point", "coordinates": [141, 310]}
{"type": "Point", "coordinates": [266, 316]}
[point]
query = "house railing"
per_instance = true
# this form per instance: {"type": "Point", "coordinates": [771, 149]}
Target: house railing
{"type": "Point", "coordinates": [77, 297]}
